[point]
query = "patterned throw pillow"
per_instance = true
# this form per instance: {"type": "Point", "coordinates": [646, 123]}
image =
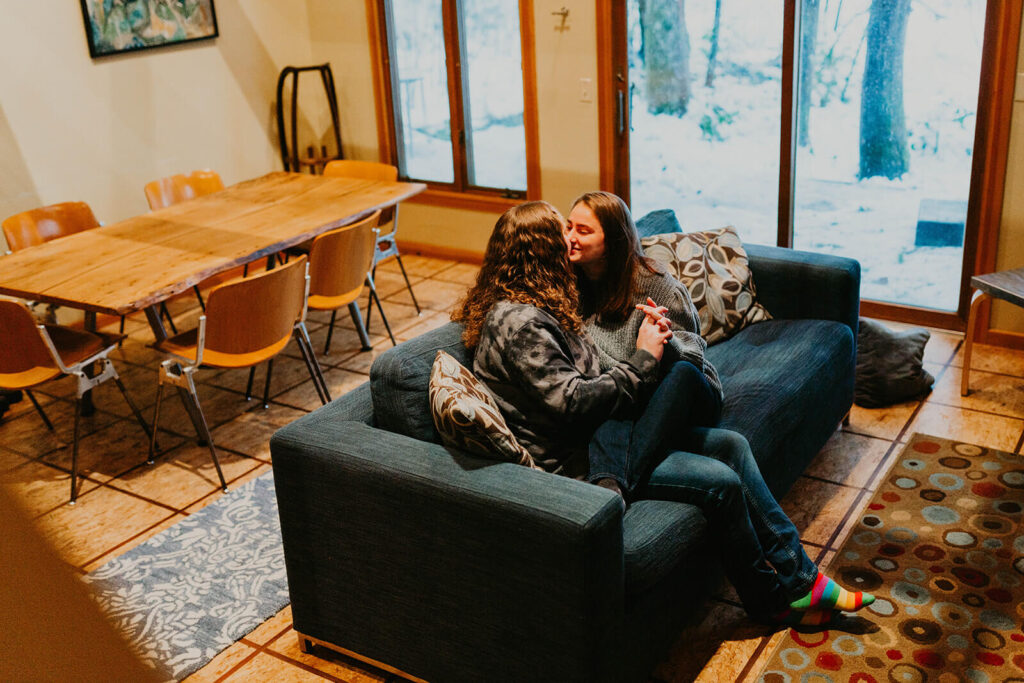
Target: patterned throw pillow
{"type": "Point", "coordinates": [467, 417]}
{"type": "Point", "coordinates": [713, 266]}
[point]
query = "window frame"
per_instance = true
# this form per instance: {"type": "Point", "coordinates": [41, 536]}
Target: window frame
{"type": "Point", "coordinates": [459, 193]}
{"type": "Point", "coordinates": [988, 173]}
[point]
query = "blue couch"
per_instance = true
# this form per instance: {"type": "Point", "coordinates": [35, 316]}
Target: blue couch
{"type": "Point", "coordinates": [448, 567]}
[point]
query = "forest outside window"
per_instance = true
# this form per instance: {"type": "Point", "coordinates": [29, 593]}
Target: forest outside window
{"type": "Point", "coordinates": [454, 91]}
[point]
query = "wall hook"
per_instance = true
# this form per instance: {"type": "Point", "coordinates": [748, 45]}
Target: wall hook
{"type": "Point", "coordinates": [564, 13]}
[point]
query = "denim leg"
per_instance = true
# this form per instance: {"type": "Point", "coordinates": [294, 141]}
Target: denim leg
{"type": "Point", "coordinates": [778, 537]}
{"type": "Point", "coordinates": [627, 450]}
{"type": "Point", "coordinates": [718, 491]}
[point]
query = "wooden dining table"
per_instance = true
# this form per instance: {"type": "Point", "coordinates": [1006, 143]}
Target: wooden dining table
{"type": "Point", "coordinates": [137, 263]}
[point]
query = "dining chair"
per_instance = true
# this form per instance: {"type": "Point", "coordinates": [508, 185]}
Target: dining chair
{"type": "Point", "coordinates": [45, 223]}
{"type": "Point", "coordinates": [339, 268]}
{"type": "Point", "coordinates": [385, 246]}
{"type": "Point", "coordinates": [247, 321]}
{"type": "Point", "coordinates": [32, 354]}
{"type": "Point", "coordinates": [174, 189]}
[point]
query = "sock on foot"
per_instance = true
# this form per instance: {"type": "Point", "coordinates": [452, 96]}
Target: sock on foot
{"type": "Point", "coordinates": [827, 594]}
{"type": "Point", "coordinates": [811, 617]}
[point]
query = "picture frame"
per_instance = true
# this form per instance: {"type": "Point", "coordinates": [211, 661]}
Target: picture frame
{"type": "Point", "coordinates": [119, 26]}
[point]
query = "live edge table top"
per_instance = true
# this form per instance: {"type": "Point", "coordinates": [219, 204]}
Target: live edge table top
{"type": "Point", "coordinates": [1006, 284]}
{"type": "Point", "coordinates": [133, 264]}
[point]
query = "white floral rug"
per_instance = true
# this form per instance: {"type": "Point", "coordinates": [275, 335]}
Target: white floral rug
{"type": "Point", "coordinates": [194, 589]}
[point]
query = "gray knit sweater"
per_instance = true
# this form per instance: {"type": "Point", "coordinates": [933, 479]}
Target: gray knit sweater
{"type": "Point", "coordinates": [617, 341]}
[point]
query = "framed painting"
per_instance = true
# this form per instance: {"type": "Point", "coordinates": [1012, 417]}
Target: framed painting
{"type": "Point", "coordinates": [115, 26]}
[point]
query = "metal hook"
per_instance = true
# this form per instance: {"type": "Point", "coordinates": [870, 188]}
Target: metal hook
{"type": "Point", "coordinates": [564, 13]}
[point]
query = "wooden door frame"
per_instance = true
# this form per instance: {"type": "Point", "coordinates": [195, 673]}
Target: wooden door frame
{"type": "Point", "coordinates": [989, 163]}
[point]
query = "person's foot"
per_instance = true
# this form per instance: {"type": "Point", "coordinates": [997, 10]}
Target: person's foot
{"type": "Point", "coordinates": [827, 594]}
{"type": "Point", "coordinates": [611, 485]}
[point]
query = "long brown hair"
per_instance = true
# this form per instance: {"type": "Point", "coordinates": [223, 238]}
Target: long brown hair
{"type": "Point", "coordinates": [613, 297]}
{"type": "Point", "coordinates": [527, 262]}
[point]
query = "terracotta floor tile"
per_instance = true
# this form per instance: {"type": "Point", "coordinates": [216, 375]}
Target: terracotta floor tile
{"type": "Point", "coordinates": [264, 667]}
{"type": "Point", "coordinates": [219, 406]}
{"type": "Point", "coordinates": [388, 282]}
{"type": "Point", "coordinates": [990, 393]}
{"type": "Point", "coordinates": [272, 627]}
{"type": "Point", "coordinates": [993, 431]}
{"type": "Point", "coordinates": [433, 295]}
{"type": "Point", "coordinates": [183, 475]}
{"type": "Point", "coordinates": [288, 372]}
{"type": "Point", "coordinates": [993, 359]}
{"type": "Point", "coordinates": [884, 423]}
{"type": "Point", "coordinates": [344, 341]}
{"type": "Point", "coordinates": [327, 661]}
{"type": "Point", "coordinates": [362, 360]}
{"type": "Point", "coordinates": [27, 434]}
{"type": "Point", "coordinates": [427, 322]}
{"type": "Point", "coordinates": [942, 346]}
{"type": "Point", "coordinates": [9, 459]}
{"type": "Point", "coordinates": [111, 451]}
{"type": "Point", "coordinates": [305, 397]}
{"type": "Point", "coordinates": [100, 520]}
{"type": "Point", "coordinates": [224, 662]}
{"type": "Point", "coordinates": [462, 273]}
{"type": "Point", "coordinates": [415, 266]}
{"type": "Point", "coordinates": [400, 317]}
{"type": "Point", "coordinates": [817, 508]}
{"type": "Point", "coordinates": [259, 470]}
{"type": "Point", "coordinates": [250, 432]}
{"type": "Point", "coordinates": [848, 459]}
{"type": "Point", "coordinates": [41, 487]}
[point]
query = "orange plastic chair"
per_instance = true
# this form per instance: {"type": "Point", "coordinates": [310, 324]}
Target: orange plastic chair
{"type": "Point", "coordinates": [247, 321]}
{"type": "Point", "coordinates": [178, 188]}
{"type": "Point", "coordinates": [386, 246]}
{"type": "Point", "coordinates": [339, 264]}
{"type": "Point", "coordinates": [31, 354]}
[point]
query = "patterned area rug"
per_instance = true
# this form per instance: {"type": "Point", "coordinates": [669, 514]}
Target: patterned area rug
{"type": "Point", "coordinates": [192, 590]}
{"type": "Point", "coordinates": [941, 545]}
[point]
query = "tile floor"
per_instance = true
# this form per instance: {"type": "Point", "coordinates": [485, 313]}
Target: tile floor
{"type": "Point", "coordinates": [123, 501]}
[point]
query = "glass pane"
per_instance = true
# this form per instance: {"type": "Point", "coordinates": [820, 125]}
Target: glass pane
{"type": "Point", "coordinates": [886, 123]}
{"type": "Point", "coordinates": [496, 137]}
{"type": "Point", "coordinates": [421, 91]}
{"type": "Point", "coordinates": [704, 112]}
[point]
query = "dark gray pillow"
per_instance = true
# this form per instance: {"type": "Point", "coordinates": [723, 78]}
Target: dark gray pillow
{"type": "Point", "coordinates": [889, 365]}
{"type": "Point", "coordinates": [658, 222]}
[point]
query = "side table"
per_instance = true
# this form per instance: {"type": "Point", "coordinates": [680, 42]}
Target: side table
{"type": "Point", "coordinates": [1007, 285]}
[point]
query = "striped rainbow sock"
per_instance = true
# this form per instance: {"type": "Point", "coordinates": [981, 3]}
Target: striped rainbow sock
{"type": "Point", "coordinates": [827, 594]}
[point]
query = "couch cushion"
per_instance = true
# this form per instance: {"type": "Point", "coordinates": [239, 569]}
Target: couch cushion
{"type": "Point", "coordinates": [659, 222]}
{"type": "Point", "coordinates": [656, 536]}
{"type": "Point", "coordinates": [400, 380]}
{"type": "Point", "coordinates": [787, 385]}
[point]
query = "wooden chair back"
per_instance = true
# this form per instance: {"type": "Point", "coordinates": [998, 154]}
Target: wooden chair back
{"type": "Point", "coordinates": [258, 312]}
{"type": "Point", "coordinates": [22, 348]}
{"type": "Point", "coordinates": [178, 188]}
{"type": "Point", "coordinates": [35, 226]}
{"type": "Point", "coordinates": [339, 261]}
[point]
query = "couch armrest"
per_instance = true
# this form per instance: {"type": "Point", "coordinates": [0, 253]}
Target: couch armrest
{"type": "Point", "coordinates": [801, 284]}
{"type": "Point", "coordinates": [445, 566]}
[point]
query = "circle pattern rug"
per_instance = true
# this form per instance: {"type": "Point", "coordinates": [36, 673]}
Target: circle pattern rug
{"type": "Point", "coordinates": [941, 546]}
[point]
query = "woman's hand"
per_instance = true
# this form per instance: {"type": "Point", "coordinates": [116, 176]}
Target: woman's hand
{"type": "Point", "coordinates": [656, 312]}
{"type": "Point", "coordinates": [653, 336]}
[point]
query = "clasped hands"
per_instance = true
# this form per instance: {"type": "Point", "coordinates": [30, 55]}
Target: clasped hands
{"type": "Point", "coordinates": [655, 330]}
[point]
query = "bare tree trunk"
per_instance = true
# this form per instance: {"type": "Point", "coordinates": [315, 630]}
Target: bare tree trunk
{"type": "Point", "coordinates": [709, 80]}
{"type": "Point", "coordinates": [883, 128]}
{"type": "Point", "coordinates": [808, 41]}
{"type": "Point", "coordinates": [667, 56]}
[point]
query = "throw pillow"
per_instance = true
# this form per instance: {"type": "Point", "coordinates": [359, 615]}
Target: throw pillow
{"type": "Point", "coordinates": [660, 222]}
{"type": "Point", "coordinates": [713, 266]}
{"type": "Point", "coordinates": [889, 365]}
{"type": "Point", "coordinates": [467, 417]}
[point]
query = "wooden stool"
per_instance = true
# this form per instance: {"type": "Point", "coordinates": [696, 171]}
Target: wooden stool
{"type": "Point", "coordinates": [1007, 285]}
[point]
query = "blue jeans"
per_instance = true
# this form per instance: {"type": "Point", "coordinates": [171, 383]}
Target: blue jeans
{"type": "Point", "coordinates": [759, 547]}
{"type": "Point", "coordinates": [627, 450]}
{"type": "Point", "coordinates": [713, 469]}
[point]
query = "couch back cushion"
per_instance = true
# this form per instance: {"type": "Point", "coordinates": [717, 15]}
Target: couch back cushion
{"type": "Point", "coordinates": [400, 382]}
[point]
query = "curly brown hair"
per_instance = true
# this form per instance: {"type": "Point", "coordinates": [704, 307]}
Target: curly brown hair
{"type": "Point", "coordinates": [527, 261]}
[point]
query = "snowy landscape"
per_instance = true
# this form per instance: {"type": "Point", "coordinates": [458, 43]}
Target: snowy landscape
{"type": "Point", "coordinates": [718, 163]}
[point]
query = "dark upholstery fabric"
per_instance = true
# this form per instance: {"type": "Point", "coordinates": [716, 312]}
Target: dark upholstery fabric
{"type": "Point", "coordinates": [400, 381]}
{"type": "Point", "coordinates": [656, 536]}
{"type": "Point", "coordinates": [788, 384]}
{"type": "Point", "coordinates": [889, 365]}
{"type": "Point", "coordinates": [658, 222]}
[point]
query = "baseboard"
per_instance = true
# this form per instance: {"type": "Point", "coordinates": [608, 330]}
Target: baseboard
{"type": "Point", "coordinates": [437, 251]}
{"type": "Point", "coordinates": [1005, 338]}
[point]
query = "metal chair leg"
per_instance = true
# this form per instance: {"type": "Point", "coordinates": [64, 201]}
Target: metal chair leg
{"type": "Point", "coordinates": [248, 386]}
{"type": "Point", "coordinates": [374, 297]}
{"type": "Point", "coordinates": [408, 284]}
{"type": "Point", "coordinates": [266, 385]}
{"type": "Point", "coordinates": [39, 409]}
{"type": "Point", "coordinates": [120, 331]}
{"type": "Point", "coordinates": [156, 422]}
{"type": "Point", "coordinates": [199, 295]}
{"type": "Point", "coordinates": [330, 332]}
{"type": "Point", "coordinates": [167, 314]}
{"type": "Point", "coordinates": [370, 277]}
{"type": "Point", "coordinates": [74, 452]}
{"type": "Point", "coordinates": [131, 404]}
{"type": "Point", "coordinates": [194, 397]}
{"type": "Point", "coordinates": [357, 318]}
{"type": "Point", "coordinates": [315, 372]}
